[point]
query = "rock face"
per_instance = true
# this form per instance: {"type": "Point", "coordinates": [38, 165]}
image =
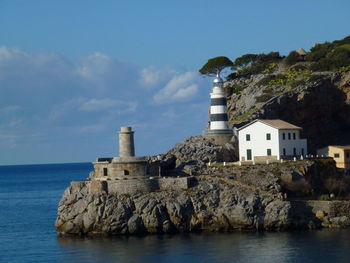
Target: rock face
{"type": "Point", "coordinates": [195, 152]}
{"type": "Point", "coordinates": [230, 198]}
{"type": "Point", "coordinates": [211, 205]}
{"type": "Point", "coordinates": [320, 104]}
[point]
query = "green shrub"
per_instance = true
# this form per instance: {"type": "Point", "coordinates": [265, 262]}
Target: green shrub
{"type": "Point", "coordinates": [244, 115]}
{"type": "Point", "coordinates": [270, 68]}
{"type": "Point", "coordinates": [268, 91]}
{"type": "Point", "coordinates": [278, 80]}
{"type": "Point", "coordinates": [324, 197]}
{"type": "Point", "coordinates": [345, 68]}
{"type": "Point", "coordinates": [301, 66]}
{"type": "Point", "coordinates": [314, 78]}
{"type": "Point", "coordinates": [238, 89]}
{"type": "Point", "coordinates": [330, 56]}
{"type": "Point", "coordinates": [297, 83]}
{"type": "Point", "coordinates": [256, 63]}
{"type": "Point", "coordinates": [263, 98]}
{"type": "Point", "coordinates": [266, 80]}
{"type": "Point", "coordinates": [292, 58]}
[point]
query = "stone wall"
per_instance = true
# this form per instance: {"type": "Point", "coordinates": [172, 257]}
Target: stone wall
{"type": "Point", "coordinates": [97, 187]}
{"type": "Point", "coordinates": [175, 183]}
{"type": "Point", "coordinates": [132, 186]}
{"type": "Point", "coordinates": [116, 170]}
{"type": "Point", "coordinates": [263, 159]}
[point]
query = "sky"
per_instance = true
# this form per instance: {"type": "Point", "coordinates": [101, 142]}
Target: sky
{"type": "Point", "coordinates": [72, 72]}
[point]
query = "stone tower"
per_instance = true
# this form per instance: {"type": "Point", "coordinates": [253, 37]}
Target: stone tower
{"type": "Point", "coordinates": [126, 142]}
{"type": "Point", "coordinates": [218, 127]}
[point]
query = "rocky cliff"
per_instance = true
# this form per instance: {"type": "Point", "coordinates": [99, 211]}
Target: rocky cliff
{"type": "Point", "coordinates": [192, 154]}
{"type": "Point", "coordinates": [319, 102]}
{"type": "Point", "coordinates": [251, 198]}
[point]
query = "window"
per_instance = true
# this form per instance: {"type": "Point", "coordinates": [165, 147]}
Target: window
{"type": "Point", "coordinates": [284, 136]}
{"type": "Point", "coordinates": [294, 151]}
{"type": "Point", "coordinates": [268, 136]}
{"type": "Point", "coordinates": [268, 152]}
{"type": "Point", "coordinates": [347, 155]}
{"type": "Point", "coordinates": [294, 137]}
{"type": "Point", "coordinates": [247, 137]}
{"type": "Point", "coordinates": [288, 135]}
{"type": "Point", "coordinates": [284, 151]}
{"type": "Point", "coordinates": [249, 154]}
{"type": "Point", "coordinates": [105, 171]}
{"type": "Point", "coordinates": [336, 155]}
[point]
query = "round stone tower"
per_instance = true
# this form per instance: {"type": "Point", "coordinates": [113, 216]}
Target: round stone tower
{"type": "Point", "coordinates": [126, 142]}
{"type": "Point", "coordinates": [218, 121]}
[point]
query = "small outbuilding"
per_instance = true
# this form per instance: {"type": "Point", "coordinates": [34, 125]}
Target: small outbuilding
{"type": "Point", "coordinates": [262, 140]}
{"type": "Point", "coordinates": [340, 154]}
{"type": "Point", "coordinates": [301, 52]}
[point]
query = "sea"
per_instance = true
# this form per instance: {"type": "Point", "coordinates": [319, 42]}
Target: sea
{"type": "Point", "coordinates": [29, 195]}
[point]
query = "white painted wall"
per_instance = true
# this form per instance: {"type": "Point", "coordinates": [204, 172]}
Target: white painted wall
{"type": "Point", "coordinates": [259, 144]}
{"type": "Point", "coordinates": [291, 143]}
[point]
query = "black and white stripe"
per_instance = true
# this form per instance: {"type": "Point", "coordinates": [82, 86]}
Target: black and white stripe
{"type": "Point", "coordinates": [218, 108]}
{"type": "Point", "coordinates": [218, 102]}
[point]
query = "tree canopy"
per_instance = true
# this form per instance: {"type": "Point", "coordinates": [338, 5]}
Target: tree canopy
{"type": "Point", "coordinates": [244, 61]}
{"type": "Point", "coordinates": [215, 65]}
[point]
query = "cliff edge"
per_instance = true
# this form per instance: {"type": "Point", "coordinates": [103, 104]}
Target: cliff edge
{"type": "Point", "coordinates": [248, 198]}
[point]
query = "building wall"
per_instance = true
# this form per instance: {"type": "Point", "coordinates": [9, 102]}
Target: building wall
{"type": "Point", "coordinates": [258, 142]}
{"type": "Point", "coordinates": [118, 170]}
{"type": "Point", "coordinates": [174, 183]}
{"type": "Point", "coordinates": [289, 143]}
{"type": "Point", "coordinates": [340, 156]}
{"type": "Point", "coordinates": [132, 186]}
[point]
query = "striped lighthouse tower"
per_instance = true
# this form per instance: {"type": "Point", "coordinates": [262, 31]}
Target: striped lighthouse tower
{"type": "Point", "coordinates": [218, 120]}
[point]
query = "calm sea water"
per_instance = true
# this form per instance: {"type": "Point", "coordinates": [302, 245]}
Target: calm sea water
{"type": "Point", "coordinates": [28, 201]}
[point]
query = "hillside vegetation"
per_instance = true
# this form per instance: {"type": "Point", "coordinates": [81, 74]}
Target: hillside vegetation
{"type": "Point", "coordinates": [309, 89]}
{"type": "Point", "coordinates": [329, 56]}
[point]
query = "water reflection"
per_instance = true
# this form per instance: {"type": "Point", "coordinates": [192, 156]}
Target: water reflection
{"type": "Point", "coordinates": [302, 246]}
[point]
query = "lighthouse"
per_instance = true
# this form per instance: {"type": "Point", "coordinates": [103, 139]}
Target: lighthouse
{"type": "Point", "coordinates": [218, 127]}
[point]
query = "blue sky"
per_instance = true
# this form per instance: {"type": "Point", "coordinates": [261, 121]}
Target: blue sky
{"type": "Point", "coordinates": [72, 72]}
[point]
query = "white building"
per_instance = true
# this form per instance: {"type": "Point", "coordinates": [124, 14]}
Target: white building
{"type": "Point", "coordinates": [270, 139]}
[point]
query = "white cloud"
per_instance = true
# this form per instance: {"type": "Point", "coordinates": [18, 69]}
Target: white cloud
{"type": "Point", "coordinates": [107, 103]}
{"type": "Point", "coordinates": [96, 64]}
{"type": "Point", "coordinates": [92, 128]}
{"type": "Point", "coordinates": [58, 101]}
{"type": "Point", "coordinates": [102, 72]}
{"type": "Point", "coordinates": [186, 92]}
{"type": "Point", "coordinates": [99, 104]}
{"type": "Point", "coordinates": [180, 87]}
{"type": "Point", "coordinates": [151, 77]}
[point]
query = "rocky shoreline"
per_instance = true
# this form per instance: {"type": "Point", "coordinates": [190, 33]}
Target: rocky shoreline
{"type": "Point", "coordinates": [228, 199]}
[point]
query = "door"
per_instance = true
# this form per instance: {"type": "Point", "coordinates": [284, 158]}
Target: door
{"type": "Point", "coordinates": [249, 154]}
